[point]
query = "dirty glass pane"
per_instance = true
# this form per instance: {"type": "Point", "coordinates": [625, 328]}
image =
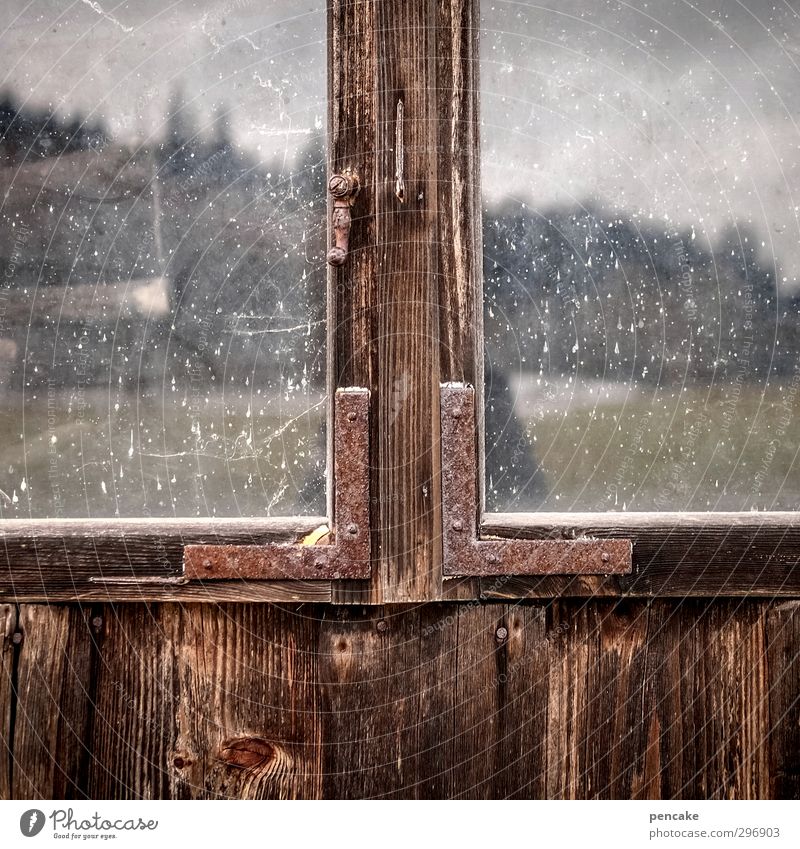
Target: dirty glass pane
{"type": "Point", "coordinates": [162, 240]}
{"type": "Point", "coordinates": [640, 166]}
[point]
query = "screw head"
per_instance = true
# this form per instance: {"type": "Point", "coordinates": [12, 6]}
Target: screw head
{"type": "Point", "coordinates": [97, 622]}
{"type": "Point", "coordinates": [491, 557]}
{"type": "Point", "coordinates": [16, 638]}
{"type": "Point", "coordinates": [352, 529]}
{"type": "Point", "coordinates": [351, 417]}
{"type": "Point", "coordinates": [501, 634]}
{"type": "Point", "coordinates": [605, 557]}
{"type": "Point", "coordinates": [456, 413]}
{"type": "Point", "coordinates": [319, 564]}
{"type": "Point", "coordinates": [382, 626]}
{"type": "Point", "coordinates": [339, 186]}
{"type": "Point", "coordinates": [457, 525]}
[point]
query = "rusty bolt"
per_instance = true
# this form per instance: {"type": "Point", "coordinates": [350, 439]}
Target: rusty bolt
{"type": "Point", "coordinates": [352, 529]}
{"type": "Point", "coordinates": [501, 634]}
{"type": "Point", "coordinates": [207, 564]}
{"type": "Point", "coordinates": [339, 186]}
{"type": "Point", "coordinates": [319, 564]}
{"type": "Point", "coordinates": [16, 638]}
{"type": "Point", "coordinates": [97, 622]}
{"type": "Point", "coordinates": [491, 557]}
{"type": "Point", "coordinates": [382, 626]}
{"type": "Point", "coordinates": [605, 557]}
{"type": "Point", "coordinates": [457, 525]}
{"type": "Point", "coordinates": [351, 417]}
{"type": "Point", "coordinates": [456, 413]}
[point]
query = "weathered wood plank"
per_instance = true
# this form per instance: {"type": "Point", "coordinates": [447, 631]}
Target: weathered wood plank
{"type": "Point", "coordinates": [407, 568]}
{"type": "Point", "coordinates": [684, 716]}
{"type": "Point", "coordinates": [501, 703]}
{"type": "Point", "coordinates": [438, 678]}
{"type": "Point", "coordinates": [658, 768]}
{"type": "Point", "coordinates": [247, 703]}
{"type": "Point", "coordinates": [207, 702]}
{"type": "Point", "coordinates": [724, 703]}
{"type": "Point", "coordinates": [138, 559]}
{"type": "Point", "coordinates": [607, 699]}
{"type": "Point", "coordinates": [352, 290]}
{"type": "Point", "coordinates": [674, 554]}
{"type": "Point", "coordinates": [8, 625]}
{"type": "Point", "coordinates": [135, 711]}
{"type": "Point", "coordinates": [783, 651]}
{"type": "Point", "coordinates": [570, 653]}
{"type": "Point", "coordinates": [369, 660]}
{"type": "Point", "coordinates": [412, 72]}
{"type": "Point", "coordinates": [616, 738]}
{"type": "Point", "coordinates": [54, 702]}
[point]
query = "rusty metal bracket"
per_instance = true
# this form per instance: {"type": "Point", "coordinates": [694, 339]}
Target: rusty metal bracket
{"type": "Point", "coordinates": [347, 554]}
{"type": "Point", "coordinates": [467, 554]}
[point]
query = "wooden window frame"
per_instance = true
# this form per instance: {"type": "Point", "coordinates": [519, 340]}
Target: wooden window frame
{"type": "Point", "coordinates": [405, 314]}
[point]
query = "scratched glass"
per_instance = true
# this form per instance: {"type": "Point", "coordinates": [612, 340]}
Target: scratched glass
{"type": "Point", "coordinates": [162, 241]}
{"type": "Point", "coordinates": [641, 255]}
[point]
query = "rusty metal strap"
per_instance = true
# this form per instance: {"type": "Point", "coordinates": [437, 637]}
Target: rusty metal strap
{"type": "Point", "coordinates": [467, 554]}
{"type": "Point", "coordinates": [347, 552]}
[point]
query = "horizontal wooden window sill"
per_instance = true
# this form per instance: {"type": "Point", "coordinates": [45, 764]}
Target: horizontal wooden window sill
{"type": "Point", "coordinates": [674, 555]}
{"type": "Point", "coordinates": [139, 559]}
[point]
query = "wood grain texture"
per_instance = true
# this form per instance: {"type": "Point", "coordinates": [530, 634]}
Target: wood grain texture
{"type": "Point", "coordinates": [54, 702]}
{"type": "Point", "coordinates": [8, 625]}
{"type": "Point", "coordinates": [134, 714]}
{"type": "Point", "coordinates": [368, 675]}
{"type": "Point", "coordinates": [353, 295]}
{"type": "Point", "coordinates": [138, 560]}
{"type": "Point", "coordinates": [501, 702]}
{"type": "Point", "coordinates": [207, 702]}
{"type": "Point", "coordinates": [783, 648]}
{"type": "Point", "coordinates": [674, 554]}
{"type": "Point", "coordinates": [606, 699]}
{"type": "Point", "coordinates": [248, 705]}
{"type": "Point", "coordinates": [384, 299]}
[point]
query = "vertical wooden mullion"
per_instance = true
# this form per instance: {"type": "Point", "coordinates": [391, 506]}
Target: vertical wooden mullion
{"type": "Point", "coordinates": [460, 280]}
{"type": "Point", "coordinates": [384, 300]}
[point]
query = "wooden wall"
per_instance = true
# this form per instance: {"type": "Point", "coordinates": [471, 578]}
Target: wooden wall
{"type": "Point", "coordinates": [582, 699]}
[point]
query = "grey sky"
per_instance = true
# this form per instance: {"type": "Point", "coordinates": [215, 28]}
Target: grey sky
{"type": "Point", "coordinates": [686, 112]}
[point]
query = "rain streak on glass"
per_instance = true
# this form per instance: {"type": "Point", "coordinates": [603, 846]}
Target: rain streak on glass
{"type": "Point", "coordinates": [162, 241]}
{"type": "Point", "coordinates": [641, 180]}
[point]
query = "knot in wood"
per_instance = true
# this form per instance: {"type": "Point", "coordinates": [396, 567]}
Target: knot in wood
{"type": "Point", "coordinates": [247, 752]}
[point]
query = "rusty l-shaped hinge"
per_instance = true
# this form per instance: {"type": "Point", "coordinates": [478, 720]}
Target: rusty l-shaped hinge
{"type": "Point", "coordinates": [465, 552]}
{"type": "Point", "coordinates": [347, 554]}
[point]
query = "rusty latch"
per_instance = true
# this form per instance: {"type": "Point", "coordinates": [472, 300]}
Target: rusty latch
{"type": "Point", "coordinates": [347, 554]}
{"type": "Point", "coordinates": [344, 189]}
{"type": "Point", "coordinates": [467, 554]}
